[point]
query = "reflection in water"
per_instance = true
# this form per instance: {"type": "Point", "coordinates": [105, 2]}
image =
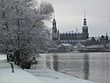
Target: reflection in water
{"type": "Point", "coordinates": [86, 66]}
{"type": "Point", "coordinates": [55, 62]}
{"type": "Point", "coordinates": [90, 66]}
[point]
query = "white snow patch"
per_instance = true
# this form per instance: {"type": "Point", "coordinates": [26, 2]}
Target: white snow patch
{"type": "Point", "coordinates": [2, 56]}
{"type": "Point", "coordinates": [20, 76]}
{"type": "Point", "coordinates": [50, 76]}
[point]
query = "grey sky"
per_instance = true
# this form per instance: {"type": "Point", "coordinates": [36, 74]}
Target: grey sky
{"type": "Point", "coordinates": [69, 15]}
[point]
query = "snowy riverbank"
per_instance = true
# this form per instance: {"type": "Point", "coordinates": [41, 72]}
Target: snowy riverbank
{"type": "Point", "coordinates": [34, 76]}
{"type": "Point", "coordinates": [20, 76]}
{"type": "Point", "coordinates": [50, 76]}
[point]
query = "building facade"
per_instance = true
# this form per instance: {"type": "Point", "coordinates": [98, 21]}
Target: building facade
{"type": "Point", "coordinates": [72, 38]}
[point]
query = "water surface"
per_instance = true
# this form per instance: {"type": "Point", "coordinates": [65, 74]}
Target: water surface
{"type": "Point", "coordinates": [90, 66]}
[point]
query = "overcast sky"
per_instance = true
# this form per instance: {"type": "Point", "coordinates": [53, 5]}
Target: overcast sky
{"type": "Point", "coordinates": [69, 15]}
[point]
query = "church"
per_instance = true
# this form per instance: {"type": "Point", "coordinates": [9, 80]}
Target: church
{"type": "Point", "coordinates": [71, 38]}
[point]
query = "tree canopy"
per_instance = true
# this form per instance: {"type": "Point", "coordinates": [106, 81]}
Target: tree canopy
{"type": "Point", "coordinates": [22, 25]}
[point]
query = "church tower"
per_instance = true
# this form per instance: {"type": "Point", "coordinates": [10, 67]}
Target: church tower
{"type": "Point", "coordinates": [55, 32]}
{"type": "Point", "coordinates": [54, 28]}
{"type": "Point", "coordinates": [85, 34]}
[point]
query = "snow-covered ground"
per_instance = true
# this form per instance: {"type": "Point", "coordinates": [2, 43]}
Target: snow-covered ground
{"type": "Point", "coordinates": [50, 76]}
{"type": "Point", "coordinates": [20, 76]}
{"type": "Point", "coordinates": [2, 56]}
{"type": "Point", "coordinates": [38, 75]}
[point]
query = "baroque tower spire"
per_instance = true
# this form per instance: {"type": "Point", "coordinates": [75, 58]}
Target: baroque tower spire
{"type": "Point", "coordinates": [54, 25]}
{"type": "Point", "coordinates": [85, 28]}
{"type": "Point", "coordinates": [85, 21]}
{"type": "Point", "coordinates": [55, 33]}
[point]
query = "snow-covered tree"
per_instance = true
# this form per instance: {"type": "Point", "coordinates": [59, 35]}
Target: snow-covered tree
{"type": "Point", "coordinates": [22, 25]}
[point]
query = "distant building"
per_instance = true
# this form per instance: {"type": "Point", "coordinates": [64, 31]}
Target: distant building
{"type": "Point", "coordinates": [72, 38]}
{"type": "Point", "coordinates": [76, 38]}
{"type": "Point", "coordinates": [55, 32]}
{"type": "Point", "coordinates": [100, 40]}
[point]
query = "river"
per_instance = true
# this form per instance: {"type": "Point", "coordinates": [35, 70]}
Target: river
{"type": "Point", "coordinates": [90, 66]}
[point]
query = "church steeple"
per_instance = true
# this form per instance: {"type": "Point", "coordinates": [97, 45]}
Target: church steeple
{"type": "Point", "coordinates": [85, 21]}
{"type": "Point", "coordinates": [55, 33]}
{"type": "Point", "coordinates": [54, 25]}
{"type": "Point", "coordinates": [85, 28]}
